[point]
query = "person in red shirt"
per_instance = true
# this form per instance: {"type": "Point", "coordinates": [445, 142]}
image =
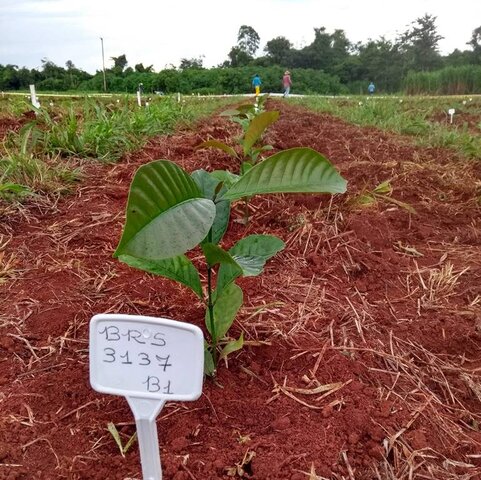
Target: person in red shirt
{"type": "Point", "coordinates": [287, 83]}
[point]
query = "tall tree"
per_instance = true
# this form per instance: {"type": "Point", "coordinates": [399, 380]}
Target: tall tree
{"type": "Point", "coordinates": [248, 40]}
{"type": "Point", "coordinates": [139, 68]}
{"type": "Point", "coordinates": [186, 63]}
{"type": "Point", "coordinates": [120, 63]}
{"type": "Point", "coordinates": [381, 62]}
{"type": "Point", "coordinates": [278, 50]}
{"type": "Point", "coordinates": [420, 44]}
{"type": "Point", "coordinates": [475, 44]}
{"type": "Point", "coordinates": [238, 57]}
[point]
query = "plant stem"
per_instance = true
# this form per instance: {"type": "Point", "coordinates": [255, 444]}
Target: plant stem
{"type": "Point", "coordinates": [210, 307]}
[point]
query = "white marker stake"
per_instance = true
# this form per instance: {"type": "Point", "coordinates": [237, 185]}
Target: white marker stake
{"type": "Point", "coordinates": [33, 97]}
{"type": "Point", "coordinates": [149, 361]}
{"type": "Point", "coordinates": [451, 112]}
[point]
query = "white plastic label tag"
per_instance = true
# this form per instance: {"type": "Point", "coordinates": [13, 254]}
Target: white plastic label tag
{"type": "Point", "coordinates": [147, 357]}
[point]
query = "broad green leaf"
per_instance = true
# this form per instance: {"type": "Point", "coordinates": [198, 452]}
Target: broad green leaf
{"type": "Point", "coordinates": [215, 254]}
{"type": "Point", "coordinates": [178, 268]}
{"type": "Point", "coordinates": [209, 367]}
{"type": "Point", "coordinates": [226, 307]}
{"type": "Point", "coordinates": [251, 266]}
{"type": "Point", "coordinates": [224, 176]}
{"type": "Point", "coordinates": [251, 254]}
{"type": "Point", "coordinates": [265, 246]}
{"type": "Point", "coordinates": [229, 113]}
{"type": "Point", "coordinates": [246, 166]}
{"type": "Point", "coordinates": [220, 145]}
{"type": "Point", "coordinates": [300, 170]}
{"type": "Point", "coordinates": [226, 275]}
{"type": "Point", "coordinates": [246, 108]}
{"type": "Point", "coordinates": [257, 128]}
{"type": "Point", "coordinates": [208, 184]}
{"type": "Point", "coordinates": [173, 232]}
{"type": "Point", "coordinates": [221, 220]}
{"type": "Point", "coordinates": [232, 347]}
{"type": "Point", "coordinates": [166, 215]}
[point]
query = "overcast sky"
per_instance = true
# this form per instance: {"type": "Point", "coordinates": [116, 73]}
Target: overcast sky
{"type": "Point", "coordinates": [161, 32]}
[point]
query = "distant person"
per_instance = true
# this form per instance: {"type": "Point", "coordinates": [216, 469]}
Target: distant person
{"type": "Point", "coordinates": [287, 83]}
{"type": "Point", "coordinates": [256, 83]}
{"type": "Point", "coordinates": [371, 88]}
{"type": "Point", "coordinates": [141, 88]}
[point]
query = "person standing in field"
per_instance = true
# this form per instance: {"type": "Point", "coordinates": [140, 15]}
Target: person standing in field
{"type": "Point", "coordinates": [256, 83]}
{"type": "Point", "coordinates": [287, 83]}
{"type": "Point", "coordinates": [371, 88]}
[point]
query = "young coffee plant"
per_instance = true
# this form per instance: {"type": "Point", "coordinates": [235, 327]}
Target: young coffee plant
{"type": "Point", "coordinates": [170, 212]}
{"type": "Point", "coordinates": [249, 141]}
{"type": "Point", "coordinates": [251, 151]}
{"type": "Point", "coordinates": [245, 113]}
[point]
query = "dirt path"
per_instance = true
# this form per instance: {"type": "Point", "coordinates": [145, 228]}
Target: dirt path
{"type": "Point", "coordinates": [383, 302]}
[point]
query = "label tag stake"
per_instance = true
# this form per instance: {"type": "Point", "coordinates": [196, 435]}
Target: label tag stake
{"type": "Point", "coordinates": [451, 113]}
{"type": "Point", "coordinates": [149, 361]}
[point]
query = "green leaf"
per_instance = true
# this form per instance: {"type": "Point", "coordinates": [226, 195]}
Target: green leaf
{"type": "Point", "coordinates": [246, 108]}
{"type": "Point", "coordinates": [13, 188]}
{"type": "Point", "coordinates": [383, 188]}
{"type": "Point", "coordinates": [209, 367]}
{"type": "Point", "coordinates": [224, 176]}
{"type": "Point", "coordinates": [221, 220]}
{"type": "Point", "coordinates": [300, 170]}
{"type": "Point", "coordinates": [178, 268]}
{"type": "Point", "coordinates": [226, 275]}
{"type": "Point", "coordinates": [215, 254]}
{"type": "Point", "coordinates": [251, 254]}
{"type": "Point", "coordinates": [265, 246]}
{"type": "Point", "coordinates": [257, 128]}
{"type": "Point", "coordinates": [232, 347]}
{"type": "Point", "coordinates": [229, 113]}
{"type": "Point", "coordinates": [253, 251]}
{"type": "Point", "coordinates": [166, 215]}
{"type": "Point", "coordinates": [246, 166]}
{"type": "Point", "coordinates": [220, 145]}
{"type": "Point", "coordinates": [208, 184]}
{"type": "Point", "coordinates": [225, 309]}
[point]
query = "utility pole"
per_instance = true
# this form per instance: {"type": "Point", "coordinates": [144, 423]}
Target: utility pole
{"type": "Point", "coordinates": [103, 64]}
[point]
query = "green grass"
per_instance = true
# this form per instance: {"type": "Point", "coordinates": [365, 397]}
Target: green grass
{"type": "Point", "coordinates": [423, 118]}
{"type": "Point", "coordinates": [44, 155]}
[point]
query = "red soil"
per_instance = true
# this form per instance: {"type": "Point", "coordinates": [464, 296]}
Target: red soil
{"type": "Point", "coordinates": [383, 301]}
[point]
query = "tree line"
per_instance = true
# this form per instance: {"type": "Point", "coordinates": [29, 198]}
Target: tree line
{"type": "Point", "coordinates": [331, 64]}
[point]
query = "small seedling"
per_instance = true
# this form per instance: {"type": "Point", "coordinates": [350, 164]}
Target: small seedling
{"type": "Point", "coordinates": [381, 193]}
{"type": "Point", "coordinates": [251, 151]}
{"type": "Point", "coordinates": [116, 435]}
{"type": "Point", "coordinates": [170, 212]}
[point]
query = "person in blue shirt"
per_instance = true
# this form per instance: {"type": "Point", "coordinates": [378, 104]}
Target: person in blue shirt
{"type": "Point", "coordinates": [371, 88]}
{"type": "Point", "coordinates": [256, 83]}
